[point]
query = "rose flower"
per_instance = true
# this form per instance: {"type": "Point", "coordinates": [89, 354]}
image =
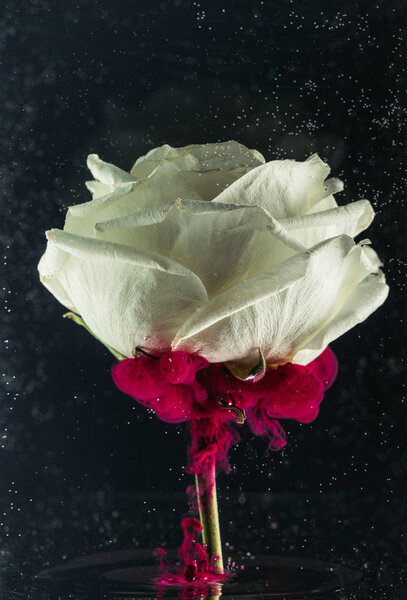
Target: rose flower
{"type": "Point", "coordinates": [209, 251]}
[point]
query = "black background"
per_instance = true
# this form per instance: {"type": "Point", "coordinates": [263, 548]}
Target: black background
{"type": "Point", "coordinates": [288, 78]}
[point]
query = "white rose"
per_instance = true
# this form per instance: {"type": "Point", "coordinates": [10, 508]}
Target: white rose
{"type": "Point", "coordinates": [208, 250]}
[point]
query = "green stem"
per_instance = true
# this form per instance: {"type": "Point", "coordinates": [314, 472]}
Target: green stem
{"type": "Point", "coordinates": [208, 512]}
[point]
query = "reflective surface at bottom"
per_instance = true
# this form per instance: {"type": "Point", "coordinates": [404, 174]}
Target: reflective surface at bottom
{"type": "Point", "coordinates": [133, 574]}
{"type": "Point", "coordinates": [266, 533]}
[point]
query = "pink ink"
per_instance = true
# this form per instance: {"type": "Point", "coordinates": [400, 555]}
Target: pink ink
{"type": "Point", "coordinates": [194, 566]}
{"type": "Point", "coordinates": [180, 367]}
{"type": "Point", "coordinates": [211, 439]}
{"type": "Point", "coordinates": [325, 367]}
{"type": "Point", "coordinates": [181, 387]}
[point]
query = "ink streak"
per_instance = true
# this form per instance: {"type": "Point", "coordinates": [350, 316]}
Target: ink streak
{"type": "Point", "coordinates": [181, 387]}
{"type": "Point", "coordinates": [194, 566]}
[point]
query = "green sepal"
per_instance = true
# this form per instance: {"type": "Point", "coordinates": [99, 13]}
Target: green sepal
{"type": "Point", "coordinates": [79, 321]}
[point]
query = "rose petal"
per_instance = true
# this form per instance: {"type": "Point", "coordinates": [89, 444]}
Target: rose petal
{"type": "Point", "coordinates": [209, 184]}
{"type": "Point", "coordinates": [361, 302]}
{"type": "Point", "coordinates": [285, 188]}
{"type": "Point", "coordinates": [164, 185]}
{"type": "Point", "coordinates": [127, 298]}
{"type": "Point", "coordinates": [276, 314]}
{"type": "Point", "coordinates": [230, 325]}
{"type": "Point", "coordinates": [98, 190]}
{"type": "Point", "coordinates": [310, 229]}
{"type": "Point", "coordinates": [221, 243]}
{"type": "Point", "coordinates": [107, 173]}
{"type": "Point", "coordinates": [224, 156]}
{"type": "Point", "coordinates": [329, 202]}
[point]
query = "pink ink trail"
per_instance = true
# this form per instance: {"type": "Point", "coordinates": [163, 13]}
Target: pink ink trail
{"type": "Point", "coordinates": [194, 567]}
{"type": "Point", "coordinates": [181, 387]}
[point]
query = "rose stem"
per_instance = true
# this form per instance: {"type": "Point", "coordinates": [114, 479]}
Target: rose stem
{"type": "Point", "coordinates": [208, 512]}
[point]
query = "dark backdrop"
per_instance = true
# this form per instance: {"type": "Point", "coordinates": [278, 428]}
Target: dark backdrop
{"type": "Point", "coordinates": [288, 78]}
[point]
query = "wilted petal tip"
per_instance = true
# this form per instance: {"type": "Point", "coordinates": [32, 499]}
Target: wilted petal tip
{"type": "Point", "coordinates": [92, 158]}
{"type": "Point", "coordinates": [317, 159]}
{"type": "Point", "coordinates": [334, 185]}
{"type": "Point", "coordinates": [50, 235]}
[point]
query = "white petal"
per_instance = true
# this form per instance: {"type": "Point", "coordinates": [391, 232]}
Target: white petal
{"type": "Point", "coordinates": [127, 298]}
{"type": "Point", "coordinates": [331, 186]}
{"type": "Point", "coordinates": [225, 156]}
{"type": "Point", "coordinates": [164, 185]}
{"type": "Point", "coordinates": [285, 188]}
{"type": "Point", "coordinates": [86, 248]}
{"type": "Point", "coordinates": [222, 243]}
{"type": "Point", "coordinates": [364, 299]}
{"type": "Point", "coordinates": [210, 184]}
{"type": "Point", "coordinates": [235, 301]}
{"type": "Point", "coordinates": [334, 186]}
{"type": "Point", "coordinates": [146, 164]}
{"type": "Point", "coordinates": [361, 266]}
{"type": "Point", "coordinates": [98, 189]}
{"type": "Point", "coordinates": [52, 262]}
{"type": "Point", "coordinates": [107, 173]}
{"type": "Point", "coordinates": [225, 247]}
{"type": "Point", "coordinates": [312, 228]}
{"type": "Point", "coordinates": [278, 324]}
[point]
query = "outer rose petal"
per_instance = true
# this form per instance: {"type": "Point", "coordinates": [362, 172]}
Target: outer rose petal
{"type": "Point", "coordinates": [164, 185]}
{"type": "Point", "coordinates": [285, 188]}
{"type": "Point", "coordinates": [224, 156]}
{"type": "Point", "coordinates": [227, 329]}
{"type": "Point", "coordinates": [312, 228]}
{"type": "Point", "coordinates": [326, 203]}
{"type": "Point", "coordinates": [98, 189]}
{"type": "Point", "coordinates": [127, 298]}
{"type": "Point", "coordinates": [361, 302]}
{"type": "Point", "coordinates": [108, 177]}
{"type": "Point", "coordinates": [223, 244]}
{"type": "Point", "coordinates": [107, 173]}
{"type": "Point", "coordinates": [361, 289]}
